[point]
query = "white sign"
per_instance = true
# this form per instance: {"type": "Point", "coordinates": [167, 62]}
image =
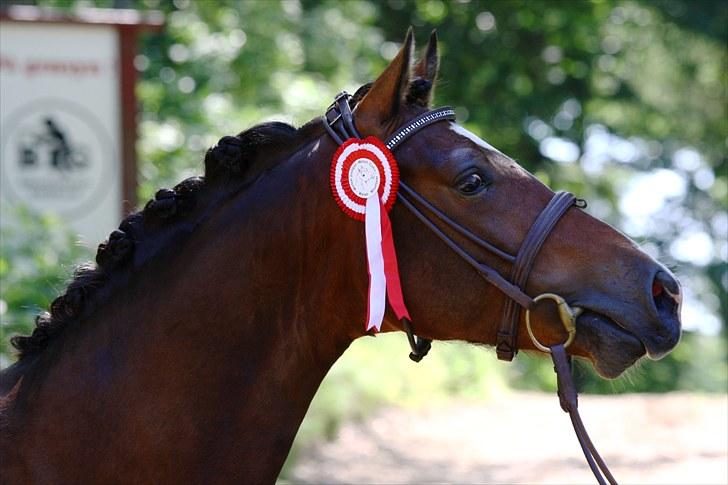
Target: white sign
{"type": "Point", "coordinates": [59, 123]}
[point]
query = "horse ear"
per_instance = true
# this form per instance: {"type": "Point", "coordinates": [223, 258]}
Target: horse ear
{"type": "Point", "coordinates": [426, 68]}
{"type": "Point", "coordinates": [422, 88]}
{"type": "Point", "coordinates": [384, 99]}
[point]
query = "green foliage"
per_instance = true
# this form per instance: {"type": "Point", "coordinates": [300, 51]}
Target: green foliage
{"type": "Point", "coordinates": [223, 66]}
{"type": "Point", "coordinates": [37, 254]}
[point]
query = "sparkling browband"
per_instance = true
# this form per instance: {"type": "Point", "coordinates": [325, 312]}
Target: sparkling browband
{"type": "Point", "coordinates": [445, 113]}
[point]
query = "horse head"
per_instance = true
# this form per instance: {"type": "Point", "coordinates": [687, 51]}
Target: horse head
{"type": "Point", "coordinates": [630, 302]}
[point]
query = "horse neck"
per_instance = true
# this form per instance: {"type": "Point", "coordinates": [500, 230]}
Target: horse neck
{"type": "Point", "coordinates": [226, 339]}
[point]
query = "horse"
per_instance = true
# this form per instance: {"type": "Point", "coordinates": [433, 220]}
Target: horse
{"type": "Point", "coordinates": [192, 348]}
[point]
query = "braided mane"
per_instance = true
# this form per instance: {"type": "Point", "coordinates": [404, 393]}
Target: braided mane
{"type": "Point", "coordinates": [142, 234]}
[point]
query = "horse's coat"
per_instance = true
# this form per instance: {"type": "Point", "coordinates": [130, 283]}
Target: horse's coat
{"type": "Point", "coordinates": [192, 350]}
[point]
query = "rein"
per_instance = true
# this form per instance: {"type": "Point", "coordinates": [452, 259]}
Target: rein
{"type": "Point", "coordinates": [339, 122]}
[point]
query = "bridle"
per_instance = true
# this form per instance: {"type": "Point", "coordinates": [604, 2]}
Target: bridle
{"type": "Point", "coordinates": [339, 122]}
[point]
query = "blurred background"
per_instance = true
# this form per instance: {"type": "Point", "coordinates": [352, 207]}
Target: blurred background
{"type": "Point", "coordinates": [623, 102]}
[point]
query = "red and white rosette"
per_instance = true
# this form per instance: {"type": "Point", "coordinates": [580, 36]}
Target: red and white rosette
{"type": "Point", "coordinates": [364, 181]}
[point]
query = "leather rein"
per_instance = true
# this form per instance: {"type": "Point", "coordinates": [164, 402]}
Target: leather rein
{"type": "Point", "coordinates": [339, 122]}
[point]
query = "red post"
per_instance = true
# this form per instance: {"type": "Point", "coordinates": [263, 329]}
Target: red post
{"type": "Point", "coordinates": [128, 126]}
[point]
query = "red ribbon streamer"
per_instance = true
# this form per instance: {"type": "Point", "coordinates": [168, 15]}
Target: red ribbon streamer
{"type": "Point", "coordinates": [391, 269]}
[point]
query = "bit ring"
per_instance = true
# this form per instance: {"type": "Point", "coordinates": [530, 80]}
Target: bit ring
{"type": "Point", "coordinates": [567, 314]}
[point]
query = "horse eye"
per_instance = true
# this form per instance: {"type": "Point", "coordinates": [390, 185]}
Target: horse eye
{"type": "Point", "coordinates": [471, 184]}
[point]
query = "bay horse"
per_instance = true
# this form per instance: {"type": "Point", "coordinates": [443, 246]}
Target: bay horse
{"type": "Point", "coordinates": [190, 351]}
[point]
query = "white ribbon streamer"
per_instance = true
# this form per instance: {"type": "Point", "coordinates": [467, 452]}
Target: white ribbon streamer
{"type": "Point", "coordinates": [377, 280]}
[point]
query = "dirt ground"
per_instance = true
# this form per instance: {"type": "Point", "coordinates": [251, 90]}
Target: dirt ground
{"type": "Point", "coordinates": [526, 438]}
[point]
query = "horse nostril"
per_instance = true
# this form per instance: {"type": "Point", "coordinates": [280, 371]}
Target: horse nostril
{"type": "Point", "coordinates": [666, 293]}
{"type": "Point", "coordinates": [668, 282]}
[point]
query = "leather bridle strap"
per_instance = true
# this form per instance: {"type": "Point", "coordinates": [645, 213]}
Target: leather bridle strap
{"type": "Point", "coordinates": [463, 231]}
{"type": "Point", "coordinates": [568, 399]}
{"type": "Point", "coordinates": [488, 273]}
{"type": "Point", "coordinates": [507, 339]}
{"type": "Point", "coordinates": [339, 119]}
{"type": "Point", "coordinates": [522, 263]}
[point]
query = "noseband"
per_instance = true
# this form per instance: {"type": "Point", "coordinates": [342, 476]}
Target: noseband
{"type": "Point", "coordinates": [339, 122]}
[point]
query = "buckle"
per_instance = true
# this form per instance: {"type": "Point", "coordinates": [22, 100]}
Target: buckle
{"type": "Point", "coordinates": [334, 107]}
{"type": "Point", "coordinates": [342, 95]}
